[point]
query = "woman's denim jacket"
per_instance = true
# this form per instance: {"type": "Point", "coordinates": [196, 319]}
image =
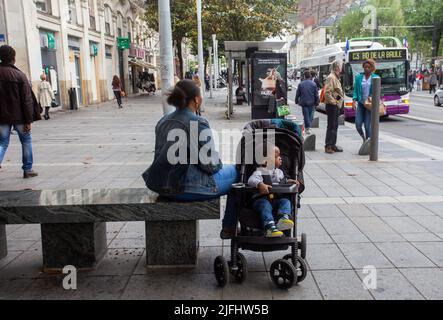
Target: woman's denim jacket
{"type": "Point", "coordinates": [169, 179]}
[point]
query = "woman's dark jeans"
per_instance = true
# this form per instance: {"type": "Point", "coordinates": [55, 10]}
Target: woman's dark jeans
{"type": "Point", "coordinates": [333, 113]}
{"type": "Point", "coordinates": [118, 96]}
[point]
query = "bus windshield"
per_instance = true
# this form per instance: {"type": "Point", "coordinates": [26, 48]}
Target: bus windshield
{"type": "Point", "coordinates": [392, 74]}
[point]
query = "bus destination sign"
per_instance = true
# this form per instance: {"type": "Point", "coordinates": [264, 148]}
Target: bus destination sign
{"type": "Point", "coordinates": [377, 55]}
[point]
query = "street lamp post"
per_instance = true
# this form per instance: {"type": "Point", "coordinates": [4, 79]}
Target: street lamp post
{"type": "Point", "coordinates": [215, 46]}
{"type": "Point", "coordinates": [166, 55]}
{"type": "Point", "coordinates": [201, 65]}
{"type": "Point", "coordinates": [210, 72]}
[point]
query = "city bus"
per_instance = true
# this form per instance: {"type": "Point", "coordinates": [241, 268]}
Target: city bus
{"type": "Point", "coordinates": [392, 66]}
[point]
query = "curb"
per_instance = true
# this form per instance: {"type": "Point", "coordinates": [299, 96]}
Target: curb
{"type": "Point", "coordinates": [419, 119]}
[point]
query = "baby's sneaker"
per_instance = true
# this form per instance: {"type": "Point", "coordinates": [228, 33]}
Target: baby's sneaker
{"type": "Point", "coordinates": [272, 231]}
{"type": "Point", "coordinates": [284, 223]}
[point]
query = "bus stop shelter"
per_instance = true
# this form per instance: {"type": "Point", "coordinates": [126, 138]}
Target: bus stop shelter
{"type": "Point", "coordinates": [238, 55]}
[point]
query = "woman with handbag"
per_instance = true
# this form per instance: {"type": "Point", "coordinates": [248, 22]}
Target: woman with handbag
{"type": "Point", "coordinates": [45, 95]}
{"type": "Point", "coordinates": [361, 104]}
{"type": "Point", "coordinates": [118, 91]}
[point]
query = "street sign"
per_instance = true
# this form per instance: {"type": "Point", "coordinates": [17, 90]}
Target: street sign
{"type": "Point", "coordinates": [123, 43]}
{"type": "Point", "coordinates": [2, 38]}
{"type": "Point", "coordinates": [51, 41]}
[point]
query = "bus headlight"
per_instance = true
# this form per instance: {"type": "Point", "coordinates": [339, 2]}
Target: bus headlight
{"type": "Point", "coordinates": [404, 101]}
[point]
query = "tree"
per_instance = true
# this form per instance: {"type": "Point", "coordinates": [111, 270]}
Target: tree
{"type": "Point", "coordinates": [425, 13]}
{"type": "Point", "coordinates": [389, 13]}
{"type": "Point", "coordinates": [183, 18]}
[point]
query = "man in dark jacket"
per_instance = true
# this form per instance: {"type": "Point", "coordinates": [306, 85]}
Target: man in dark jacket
{"type": "Point", "coordinates": [307, 97]}
{"type": "Point", "coordinates": [16, 108]}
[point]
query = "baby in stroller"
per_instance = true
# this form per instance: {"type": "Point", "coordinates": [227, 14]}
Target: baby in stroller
{"type": "Point", "coordinates": [265, 202]}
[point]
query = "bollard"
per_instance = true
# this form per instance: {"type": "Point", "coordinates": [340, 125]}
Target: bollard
{"type": "Point", "coordinates": [375, 118]}
{"type": "Point", "coordinates": [309, 143]}
{"type": "Point", "coordinates": [315, 123]}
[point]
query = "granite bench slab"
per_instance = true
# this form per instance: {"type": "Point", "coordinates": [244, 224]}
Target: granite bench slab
{"type": "Point", "coordinates": [74, 230]}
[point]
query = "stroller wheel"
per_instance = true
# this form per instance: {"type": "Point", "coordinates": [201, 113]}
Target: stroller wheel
{"type": "Point", "coordinates": [241, 273]}
{"type": "Point", "coordinates": [301, 268]}
{"type": "Point", "coordinates": [221, 271]}
{"type": "Point", "coordinates": [303, 246]}
{"type": "Point", "coordinates": [283, 273]}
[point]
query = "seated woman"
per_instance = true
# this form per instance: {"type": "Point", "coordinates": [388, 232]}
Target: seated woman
{"type": "Point", "coordinates": [184, 167]}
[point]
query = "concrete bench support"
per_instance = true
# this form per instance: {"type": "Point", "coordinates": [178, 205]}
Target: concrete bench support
{"type": "Point", "coordinates": [81, 245]}
{"type": "Point", "coordinates": [3, 243]}
{"type": "Point", "coordinates": [171, 242]}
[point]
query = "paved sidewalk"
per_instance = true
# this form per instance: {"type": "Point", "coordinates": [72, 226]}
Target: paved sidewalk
{"type": "Point", "coordinates": [356, 213]}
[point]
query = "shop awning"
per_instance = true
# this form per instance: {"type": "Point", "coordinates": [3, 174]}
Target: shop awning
{"type": "Point", "coordinates": [142, 64]}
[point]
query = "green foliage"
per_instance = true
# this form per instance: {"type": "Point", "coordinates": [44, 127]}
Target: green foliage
{"type": "Point", "coordinates": [389, 13]}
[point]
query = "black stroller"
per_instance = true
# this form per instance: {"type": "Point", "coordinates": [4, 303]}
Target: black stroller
{"type": "Point", "coordinates": [292, 268]}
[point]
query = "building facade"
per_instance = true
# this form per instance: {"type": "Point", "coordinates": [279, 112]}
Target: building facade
{"type": "Point", "coordinates": [76, 43]}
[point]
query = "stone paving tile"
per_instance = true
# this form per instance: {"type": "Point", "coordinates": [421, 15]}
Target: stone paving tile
{"type": "Point", "coordinates": [339, 226]}
{"type": "Point", "coordinates": [256, 287]}
{"type": "Point", "coordinates": [404, 255]}
{"type": "Point", "coordinates": [10, 228]}
{"type": "Point", "coordinates": [392, 285]}
{"type": "Point", "coordinates": [27, 265]}
{"type": "Point", "coordinates": [10, 257]}
{"type": "Point", "coordinates": [255, 260]}
{"type": "Point", "coordinates": [12, 289]}
{"type": "Point", "coordinates": [311, 226]}
{"type": "Point", "coordinates": [384, 210]}
{"type": "Point", "coordinates": [420, 237]}
{"type": "Point", "coordinates": [118, 262]}
{"type": "Point", "coordinates": [305, 290]}
{"type": "Point", "coordinates": [326, 257]}
{"type": "Point", "coordinates": [350, 238]}
{"type": "Point", "coordinates": [196, 287]}
{"type": "Point", "coordinates": [432, 250]}
{"type": "Point", "coordinates": [429, 281]}
{"type": "Point", "coordinates": [88, 288]}
{"type": "Point", "coordinates": [355, 210]}
{"type": "Point", "coordinates": [372, 225]}
{"type": "Point", "coordinates": [27, 232]}
{"type": "Point", "coordinates": [404, 225]}
{"type": "Point", "coordinates": [209, 232]}
{"type": "Point", "coordinates": [326, 211]}
{"type": "Point", "coordinates": [20, 245]}
{"type": "Point", "coordinates": [127, 243]}
{"type": "Point", "coordinates": [413, 209]}
{"type": "Point", "coordinates": [434, 224]}
{"type": "Point", "coordinates": [133, 230]}
{"type": "Point", "coordinates": [436, 208]}
{"type": "Point", "coordinates": [361, 255]}
{"type": "Point", "coordinates": [341, 285]}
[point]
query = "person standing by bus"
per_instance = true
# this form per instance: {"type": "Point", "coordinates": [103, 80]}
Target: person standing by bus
{"type": "Point", "coordinates": [362, 91]}
{"type": "Point", "coordinates": [307, 97]}
{"type": "Point", "coordinates": [334, 97]}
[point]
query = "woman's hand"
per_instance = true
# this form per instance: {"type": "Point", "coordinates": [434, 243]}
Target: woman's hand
{"type": "Point", "coordinates": [263, 188]}
{"type": "Point", "coordinates": [292, 181]}
{"type": "Point", "coordinates": [354, 105]}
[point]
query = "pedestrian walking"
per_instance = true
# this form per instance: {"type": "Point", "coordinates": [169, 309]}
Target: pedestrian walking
{"type": "Point", "coordinates": [196, 79]}
{"type": "Point", "coordinates": [16, 109]}
{"type": "Point", "coordinates": [433, 81]}
{"type": "Point", "coordinates": [45, 95]}
{"type": "Point", "coordinates": [411, 80]}
{"type": "Point", "coordinates": [419, 81]}
{"type": "Point", "coordinates": [314, 78]}
{"type": "Point", "coordinates": [118, 90]}
{"type": "Point", "coordinates": [334, 100]}
{"type": "Point", "coordinates": [362, 91]}
{"type": "Point", "coordinates": [307, 97]}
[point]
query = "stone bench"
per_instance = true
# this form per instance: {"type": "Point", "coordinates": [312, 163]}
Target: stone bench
{"type": "Point", "coordinates": [73, 223]}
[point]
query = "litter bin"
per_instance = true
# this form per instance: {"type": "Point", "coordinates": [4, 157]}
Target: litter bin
{"type": "Point", "coordinates": [73, 103]}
